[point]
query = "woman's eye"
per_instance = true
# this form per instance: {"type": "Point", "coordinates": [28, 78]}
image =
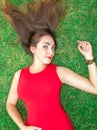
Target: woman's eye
{"type": "Point", "coordinates": [53, 48]}
{"type": "Point", "coordinates": [45, 46]}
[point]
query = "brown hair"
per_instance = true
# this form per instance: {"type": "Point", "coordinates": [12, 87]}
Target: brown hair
{"type": "Point", "coordinates": [41, 18]}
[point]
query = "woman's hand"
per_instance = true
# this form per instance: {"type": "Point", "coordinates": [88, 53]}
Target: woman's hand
{"type": "Point", "coordinates": [31, 128]}
{"type": "Point", "coordinates": [85, 49]}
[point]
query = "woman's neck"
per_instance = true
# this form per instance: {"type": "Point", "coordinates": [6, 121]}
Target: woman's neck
{"type": "Point", "coordinates": [34, 68]}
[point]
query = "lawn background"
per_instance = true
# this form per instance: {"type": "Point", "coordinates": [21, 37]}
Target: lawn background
{"type": "Point", "coordinates": [80, 23]}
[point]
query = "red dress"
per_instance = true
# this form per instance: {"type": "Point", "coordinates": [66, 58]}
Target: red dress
{"type": "Point", "coordinates": [41, 95]}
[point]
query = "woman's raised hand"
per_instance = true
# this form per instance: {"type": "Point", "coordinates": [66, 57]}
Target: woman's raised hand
{"type": "Point", "coordinates": [85, 49]}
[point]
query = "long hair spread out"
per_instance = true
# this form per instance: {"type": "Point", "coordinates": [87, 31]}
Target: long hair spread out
{"type": "Point", "coordinates": [41, 18]}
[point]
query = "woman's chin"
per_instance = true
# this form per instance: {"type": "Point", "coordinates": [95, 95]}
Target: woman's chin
{"type": "Point", "coordinates": [47, 62]}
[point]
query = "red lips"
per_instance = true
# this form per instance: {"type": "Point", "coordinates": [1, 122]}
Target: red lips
{"type": "Point", "coordinates": [49, 57]}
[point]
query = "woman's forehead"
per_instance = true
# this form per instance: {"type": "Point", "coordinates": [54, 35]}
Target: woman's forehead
{"type": "Point", "coordinates": [46, 40]}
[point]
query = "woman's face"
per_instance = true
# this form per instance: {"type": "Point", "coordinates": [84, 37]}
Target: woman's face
{"type": "Point", "coordinates": [44, 51]}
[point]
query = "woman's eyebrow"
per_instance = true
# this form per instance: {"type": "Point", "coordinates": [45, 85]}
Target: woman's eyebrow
{"type": "Point", "coordinates": [48, 43]}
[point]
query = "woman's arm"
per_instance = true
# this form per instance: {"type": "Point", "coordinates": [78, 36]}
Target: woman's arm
{"type": "Point", "coordinates": [71, 78]}
{"type": "Point", "coordinates": [11, 105]}
{"type": "Point", "coordinates": [12, 100]}
{"type": "Point", "coordinates": [86, 50]}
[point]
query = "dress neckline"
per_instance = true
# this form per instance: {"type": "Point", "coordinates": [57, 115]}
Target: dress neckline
{"type": "Point", "coordinates": [38, 72]}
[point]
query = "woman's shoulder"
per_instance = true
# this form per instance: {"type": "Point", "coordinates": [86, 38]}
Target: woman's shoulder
{"type": "Point", "coordinates": [59, 69]}
{"type": "Point", "coordinates": [17, 73]}
{"type": "Point", "coordinates": [62, 68]}
{"type": "Point", "coordinates": [62, 72]}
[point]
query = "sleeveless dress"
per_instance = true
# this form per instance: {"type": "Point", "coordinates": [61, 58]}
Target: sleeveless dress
{"type": "Point", "coordinates": [41, 95]}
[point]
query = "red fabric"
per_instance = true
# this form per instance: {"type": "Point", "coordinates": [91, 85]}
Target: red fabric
{"type": "Point", "coordinates": [41, 94]}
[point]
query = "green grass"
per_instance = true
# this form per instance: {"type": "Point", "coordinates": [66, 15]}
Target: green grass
{"type": "Point", "coordinates": [79, 24]}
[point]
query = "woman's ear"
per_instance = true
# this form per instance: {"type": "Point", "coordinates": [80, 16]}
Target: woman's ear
{"type": "Point", "coordinates": [32, 49]}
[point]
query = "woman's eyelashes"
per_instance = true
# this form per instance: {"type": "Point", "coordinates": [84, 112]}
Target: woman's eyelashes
{"type": "Point", "coordinates": [45, 46]}
{"type": "Point", "coordinates": [49, 47]}
{"type": "Point", "coordinates": [53, 48]}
